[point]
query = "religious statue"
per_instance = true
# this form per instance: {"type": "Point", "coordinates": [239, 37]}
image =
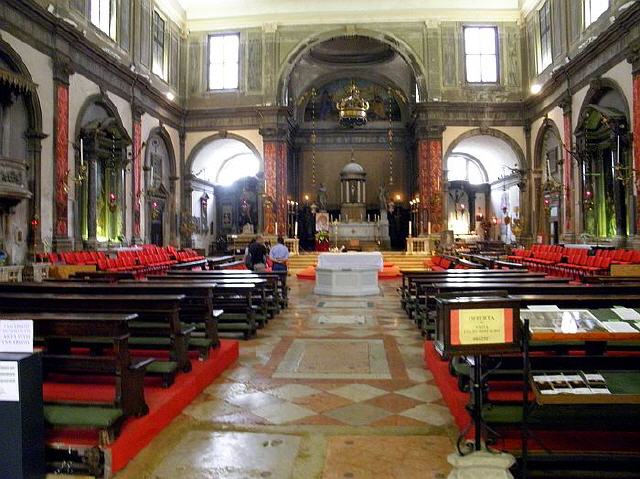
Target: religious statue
{"type": "Point", "coordinates": [245, 206]}
{"type": "Point", "coordinates": [321, 197]}
{"type": "Point", "coordinates": [382, 197]}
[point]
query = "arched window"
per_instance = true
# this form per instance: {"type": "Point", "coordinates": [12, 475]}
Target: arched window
{"type": "Point", "coordinates": [236, 167]}
{"type": "Point", "coordinates": [224, 161]}
{"type": "Point", "coordinates": [466, 168]}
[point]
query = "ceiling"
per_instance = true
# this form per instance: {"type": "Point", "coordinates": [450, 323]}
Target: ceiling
{"type": "Point", "coordinates": [220, 14]}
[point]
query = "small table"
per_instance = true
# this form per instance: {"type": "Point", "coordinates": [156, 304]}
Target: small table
{"type": "Point", "coordinates": [348, 274]}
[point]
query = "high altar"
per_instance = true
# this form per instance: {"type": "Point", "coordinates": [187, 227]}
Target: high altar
{"type": "Point", "coordinates": [354, 223]}
{"type": "Point", "coordinates": [348, 274]}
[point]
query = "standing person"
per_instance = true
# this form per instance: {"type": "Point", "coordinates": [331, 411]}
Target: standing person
{"type": "Point", "coordinates": [258, 254]}
{"type": "Point", "coordinates": [247, 256]}
{"type": "Point", "coordinates": [279, 255]}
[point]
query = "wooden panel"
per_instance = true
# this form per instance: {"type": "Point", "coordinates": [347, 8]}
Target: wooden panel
{"type": "Point", "coordinates": [625, 270]}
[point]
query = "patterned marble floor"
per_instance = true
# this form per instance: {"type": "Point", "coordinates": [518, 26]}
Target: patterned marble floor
{"type": "Point", "coordinates": [331, 388]}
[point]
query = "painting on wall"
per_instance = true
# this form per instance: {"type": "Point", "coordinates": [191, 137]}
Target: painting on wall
{"type": "Point", "coordinates": [227, 215]}
{"type": "Point", "coordinates": [322, 221]}
{"type": "Point", "coordinates": [380, 101]}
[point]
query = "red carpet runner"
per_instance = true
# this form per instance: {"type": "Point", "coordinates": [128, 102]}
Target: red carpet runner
{"type": "Point", "coordinates": [164, 406]}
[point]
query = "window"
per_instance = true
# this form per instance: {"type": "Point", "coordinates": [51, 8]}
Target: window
{"type": "Point", "coordinates": [158, 63]}
{"type": "Point", "coordinates": [480, 52]}
{"type": "Point", "coordinates": [223, 61]}
{"type": "Point", "coordinates": [462, 168]}
{"type": "Point", "coordinates": [545, 36]}
{"type": "Point", "coordinates": [103, 16]}
{"type": "Point", "coordinates": [593, 9]}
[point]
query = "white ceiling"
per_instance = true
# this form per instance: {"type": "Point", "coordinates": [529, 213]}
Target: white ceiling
{"type": "Point", "coordinates": [221, 14]}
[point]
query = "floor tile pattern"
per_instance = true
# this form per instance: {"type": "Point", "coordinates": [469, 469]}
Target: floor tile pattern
{"type": "Point", "coordinates": [330, 388]}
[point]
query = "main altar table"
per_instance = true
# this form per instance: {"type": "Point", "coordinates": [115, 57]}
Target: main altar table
{"type": "Point", "coordinates": [348, 274]}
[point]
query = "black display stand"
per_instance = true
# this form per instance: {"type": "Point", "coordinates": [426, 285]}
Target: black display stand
{"type": "Point", "coordinates": [22, 422]}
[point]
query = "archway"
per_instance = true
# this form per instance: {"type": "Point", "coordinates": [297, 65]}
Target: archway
{"type": "Point", "coordinates": [485, 173]}
{"type": "Point", "coordinates": [548, 188]}
{"type": "Point", "coordinates": [101, 160]}
{"type": "Point", "coordinates": [223, 187]}
{"type": "Point", "coordinates": [160, 178]}
{"type": "Point", "coordinates": [400, 47]}
{"type": "Point", "coordinates": [20, 137]}
{"type": "Point", "coordinates": [604, 160]}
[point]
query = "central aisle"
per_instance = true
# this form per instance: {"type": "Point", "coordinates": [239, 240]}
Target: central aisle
{"type": "Point", "coordinates": [331, 388]}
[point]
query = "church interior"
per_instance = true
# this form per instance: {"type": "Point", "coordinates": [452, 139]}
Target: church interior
{"type": "Point", "coordinates": [372, 240]}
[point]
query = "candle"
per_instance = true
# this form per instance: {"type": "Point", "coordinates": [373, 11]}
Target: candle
{"type": "Point", "coordinates": [429, 227]}
{"type": "Point", "coordinates": [360, 217]}
{"type": "Point", "coordinates": [295, 230]}
{"type": "Point", "coordinates": [81, 152]}
{"type": "Point", "coordinates": [340, 217]}
{"type": "Point", "coordinates": [276, 228]}
{"type": "Point", "coordinates": [410, 230]}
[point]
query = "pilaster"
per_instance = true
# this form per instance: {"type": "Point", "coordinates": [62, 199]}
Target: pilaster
{"type": "Point", "coordinates": [430, 178]}
{"type": "Point", "coordinates": [568, 184]}
{"type": "Point", "coordinates": [633, 57]}
{"type": "Point", "coordinates": [136, 184]}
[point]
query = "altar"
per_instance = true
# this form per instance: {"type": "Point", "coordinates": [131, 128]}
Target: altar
{"type": "Point", "coordinates": [348, 274]}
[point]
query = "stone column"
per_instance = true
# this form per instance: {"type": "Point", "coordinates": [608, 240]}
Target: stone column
{"type": "Point", "coordinates": [430, 181]}
{"type": "Point", "coordinates": [136, 173]}
{"type": "Point", "coordinates": [270, 181]}
{"type": "Point", "coordinates": [633, 57]}
{"type": "Point", "coordinates": [61, 73]}
{"type": "Point", "coordinates": [568, 185]}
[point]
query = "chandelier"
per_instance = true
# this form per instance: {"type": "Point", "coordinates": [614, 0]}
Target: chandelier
{"type": "Point", "coordinates": [352, 108]}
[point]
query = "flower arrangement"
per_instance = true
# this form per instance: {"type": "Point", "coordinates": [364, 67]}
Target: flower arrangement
{"type": "Point", "coordinates": [322, 236]}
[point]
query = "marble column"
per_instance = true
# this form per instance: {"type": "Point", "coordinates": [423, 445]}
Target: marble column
{"type": "Point", "coordinates": [282, 190]}
{"type": "Point", "coordinates": [568, 184]}
{"type": "Point", "coordinates": [136, 185]}
{"type": "Point", "coordinates": [62, 71]}
{"type": "Point", "coordinates": [430, 181]}
{"type": "Point", "coordinates": [270, 182]}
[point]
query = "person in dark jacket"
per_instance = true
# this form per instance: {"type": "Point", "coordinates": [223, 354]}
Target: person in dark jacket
{"type": "Point", "coordinates": [258, 254]}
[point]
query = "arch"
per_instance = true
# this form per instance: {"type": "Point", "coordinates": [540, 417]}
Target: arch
{"type": "Point", "coordinates": [162, 132]}
{"type": "Point", "coordinates": [219, 136]}
{"type": "Point", "coordinates": [494, 133]}
{"type": "Point", "coordinates": [402, 48]}
{"type": "Point", "coordinates": [597, 89]}
{"type": "Point", "coordinates": [547, 125]}
{"type": "Point", "coordinates": [31, 98]}
{"type": "Point", "coordinates": [102, 100]}
{"type": "Point", "coordinates": [471, 159]}
{"type": "Point", "coordinates": [167, 199]}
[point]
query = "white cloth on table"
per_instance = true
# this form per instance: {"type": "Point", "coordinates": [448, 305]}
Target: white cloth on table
{"type": "Point", "coordinates": [338, 261]}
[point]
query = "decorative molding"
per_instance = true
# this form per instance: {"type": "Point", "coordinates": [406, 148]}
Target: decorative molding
{"type": "Point", "coordinates": [62, 69]}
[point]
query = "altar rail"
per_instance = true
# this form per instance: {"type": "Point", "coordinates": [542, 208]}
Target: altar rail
{"type": "Point", "coordinates": [419, 246]}
{"type": "Point", "coordinates": [11, 274]}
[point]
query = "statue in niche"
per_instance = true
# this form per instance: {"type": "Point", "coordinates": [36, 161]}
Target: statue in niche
{"type": "Point", "coordinates": [245, 207]}
{"type": "Point", "coordinates": [321, 197]}
{"type": "Point", "coordinates": [382, 197]}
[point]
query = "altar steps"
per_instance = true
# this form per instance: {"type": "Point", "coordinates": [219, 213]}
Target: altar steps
{"type": "Point", "coordinates": [402, 261]}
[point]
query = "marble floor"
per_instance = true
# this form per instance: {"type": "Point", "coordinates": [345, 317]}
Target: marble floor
{"type": "Point", "coordinates": [330, 389]}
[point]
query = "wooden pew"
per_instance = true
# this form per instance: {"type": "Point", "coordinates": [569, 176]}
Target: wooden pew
{"type": "Point", "coordinates": [188, 265]}
{"type": "Point", "coordinates": [157, 315]}
{"type": "Point", "coordinates": [55, 332]}
{"type": "Point", "coordinates": [281, 276]}
{"type": "Point", "coordinates": [196, 309]}
{"type": "Point", "coordinates": [409, 291]}
{"type": "Point", "coordinates": [274, 289]}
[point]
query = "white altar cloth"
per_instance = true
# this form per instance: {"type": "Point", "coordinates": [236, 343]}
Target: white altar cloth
{"type": "Point", "coordinates": [352, 260]}
{"type": "Point", "coordinates": [348, 274]}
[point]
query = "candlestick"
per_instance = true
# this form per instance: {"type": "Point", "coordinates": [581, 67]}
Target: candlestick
{"type": "Point", "coordinates": [276, 228]}
{"type": "Point", "coordinates": [81, 152]}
